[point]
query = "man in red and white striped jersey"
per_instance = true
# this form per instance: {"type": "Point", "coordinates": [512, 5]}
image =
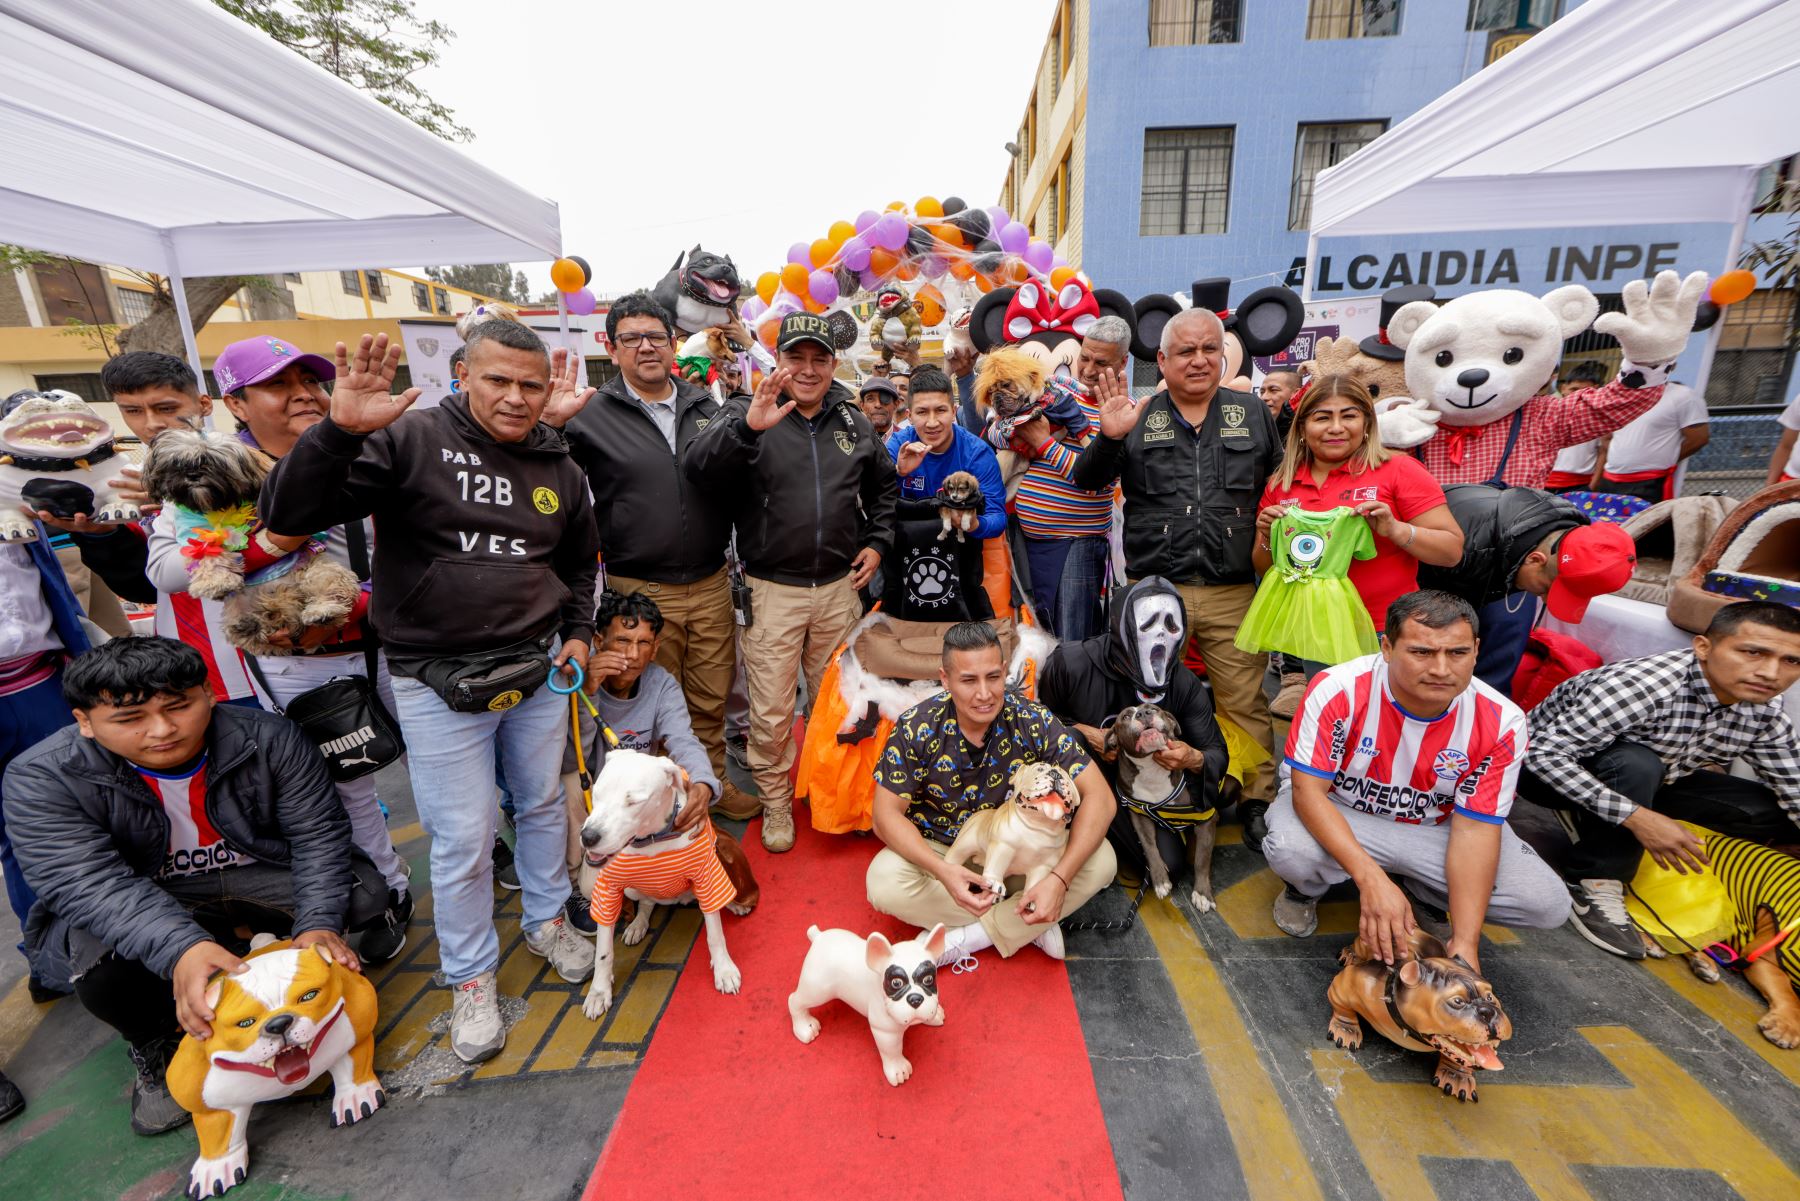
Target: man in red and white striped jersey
{"type": "Point", "coordinates": [1402, 762]}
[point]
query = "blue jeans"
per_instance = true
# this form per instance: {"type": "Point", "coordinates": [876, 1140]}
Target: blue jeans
{"type": "Point", "coordinates": [1505, 629]}
{"type": "Point", "coordinates": [451, 758]}
{"type": "Point", "coordinates": [1066, 577]}
{"type": "Point", "coordinates": [26, 719]}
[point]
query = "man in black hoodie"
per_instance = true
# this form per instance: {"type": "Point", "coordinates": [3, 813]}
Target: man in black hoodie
{"type": "Point", "coordinates": [483, 588]}
{"type": "Point", "coordinates": [813, 494]}
{"type": "Point", "coordinates": [1138, 660]}
{"type": "Point", "coordinates": [661, 534]}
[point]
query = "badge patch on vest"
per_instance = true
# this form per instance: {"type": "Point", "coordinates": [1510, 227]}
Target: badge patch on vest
{"type": "Point", "coordinates": [505, 700]}
{"type": "Point", "coordinates": [843, 442]}
{"type": "Point", "coordinates": [702, 423]}
{"type": "Point", "coordinates": [1156, 427]}
{"type": "Point", "coordinates": [1234, 421]}
{"type": "Point", "coordinates": [544, 500]}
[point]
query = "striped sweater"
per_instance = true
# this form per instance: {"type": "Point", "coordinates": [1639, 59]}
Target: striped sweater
{"type": "Point", "coordinates": [1048, 504]}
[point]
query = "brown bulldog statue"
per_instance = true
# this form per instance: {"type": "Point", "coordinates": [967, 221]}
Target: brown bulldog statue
{"type": "Point", "coordinates": [1426, 1002]}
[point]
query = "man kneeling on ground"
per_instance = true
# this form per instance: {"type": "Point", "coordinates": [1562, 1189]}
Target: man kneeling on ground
{"type": "Point", "coordinates": [160, 832]}
{"type": "Point", "coordinates": [952, 755]}
{"type": "Point", "coordinates": [1403, 762]}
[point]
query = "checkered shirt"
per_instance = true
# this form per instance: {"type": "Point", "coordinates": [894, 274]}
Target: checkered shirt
{"type": "Point", "coordinates": [1662, 702]}
{"type": "Point", "coordinates": [1470, 454]}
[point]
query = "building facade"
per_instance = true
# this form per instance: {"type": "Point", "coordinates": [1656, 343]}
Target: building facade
{"type": "Point", "coordinates": [1166, 141]}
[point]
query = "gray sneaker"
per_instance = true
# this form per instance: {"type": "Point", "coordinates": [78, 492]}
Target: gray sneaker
{"type": "Point", "coordinates": [1597, 911]}
{"type": "Point", "coordinates": [476, 1031]}
{"type": "Point", "coordinates": [570, 954]}
{"type": "Point", "coordinates": [1296, 913]}
{"type": "Point", "coordinates": [153, 1110]}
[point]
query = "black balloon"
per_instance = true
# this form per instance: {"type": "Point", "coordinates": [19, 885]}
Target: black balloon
{"type": "Point", "coordinates": [974, 224]}
{"type": "Point", "coordinates": [920, 241]}
{"type": "Point", "coordinates": [953, 205]}
{"type": "Point", "coordinates": [587, 272]}
{"type": "Point", "coordinates": [987, 246]}
{"type": "Point", "coordinates": [1707, 315]}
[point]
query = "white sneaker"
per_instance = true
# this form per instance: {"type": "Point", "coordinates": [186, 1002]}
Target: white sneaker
{"type": "Point", "coordinates": [960, 945]}
{"type": "Point", "coordinates": [476, 1031]}
{"type": "Point", "coordinates": [570, 954]}
{"type": "Point", "coordinates": [1050, 942]}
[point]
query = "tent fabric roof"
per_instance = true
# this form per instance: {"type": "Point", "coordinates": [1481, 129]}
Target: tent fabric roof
{"type": "Point", "coordinates": [168, 136]}
{"type": "Point", "coordinates": [1623, 112]}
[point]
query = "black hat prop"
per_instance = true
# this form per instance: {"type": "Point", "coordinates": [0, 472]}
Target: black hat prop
{"type": "Point", "coordinates": [1376, 345]}
{"type": "Point", "coordinates": [1266, 322]}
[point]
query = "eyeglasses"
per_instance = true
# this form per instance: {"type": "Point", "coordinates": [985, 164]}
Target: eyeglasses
{"type": "Point", "coordinates": [632, 341]}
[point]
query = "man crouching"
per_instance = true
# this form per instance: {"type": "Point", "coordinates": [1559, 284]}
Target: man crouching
{"type": "Point", "coordinates": [953, 755]}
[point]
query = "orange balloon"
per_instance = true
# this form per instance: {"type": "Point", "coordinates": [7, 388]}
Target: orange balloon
{"type": "Point", "coordinates": [767, 332]}
{"type": "Point", "coordinates": [928, 206]}
{"type": "Point", "coordinates": [766, 283]}
{"type": "Point", "coordinates": [948, 234]}
{"type": "Point", "coordinates": [883, 262]}
{"type": "Point", "coordinates": [821, 251]}
{"type": "Point", "coordinates": [566, 274]}
{"type": "Point", "coordinates": [983, 282]}
{"type": "Point", "coordinates": [896, 206]}
{"type": "Point", "coordinates": [1732, 287]}
{"type": "Point", "coordinates": [841, 232]}
{"type": "Point", "coordinates": [908, 270]}
{"type": "Point", "coordinates": [1017, 271]}
{"type": "Point", "coordinates": [1061, 276]}
{"type": "Point", "coordinates": [930, 311]}
{"type": "Point", "coordinates": [793, 278]}
{"type": "Point", "coordinates": [813, 306]}
{"type": "Point", "coordinates": [962, 269]}
{"type": "Point", "coordinates": [930, 292]}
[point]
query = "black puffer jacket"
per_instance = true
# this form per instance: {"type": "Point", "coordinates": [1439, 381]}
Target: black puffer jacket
{"type": "Point", "coordinates": [90, 836]}
{"type": "Point", "coordinates": [1190, 495]}
{"type": "Point", "coordinates": [807, 497]}
{"type": "Point", "coordinates": [654, 523]}
{"type": "Point", "coordinates": [1500, 527]}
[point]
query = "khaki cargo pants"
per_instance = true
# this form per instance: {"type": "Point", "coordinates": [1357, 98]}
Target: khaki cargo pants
{"type": "Point", "coordinates": [792, 630]}
{"type": "Point", "coordinates": [698, 648]}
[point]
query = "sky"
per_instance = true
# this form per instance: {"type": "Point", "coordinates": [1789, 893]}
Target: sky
{"type": "Point", "coordinates": [745, 127]}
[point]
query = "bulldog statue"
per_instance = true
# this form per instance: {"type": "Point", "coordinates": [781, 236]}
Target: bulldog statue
{"type": "Point", "coordinates": [894, 985]}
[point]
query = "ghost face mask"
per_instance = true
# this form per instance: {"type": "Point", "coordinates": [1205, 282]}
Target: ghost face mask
{"type": "Point", "coordinates": [1156, 623]}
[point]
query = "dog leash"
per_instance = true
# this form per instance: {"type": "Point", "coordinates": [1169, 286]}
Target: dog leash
{"type": "Point", "coordinates": [1721, 953]}
{"type": "Point", "coordinates": [1116, 927]}
{"type": "Point", "coordinates": [612, 740]}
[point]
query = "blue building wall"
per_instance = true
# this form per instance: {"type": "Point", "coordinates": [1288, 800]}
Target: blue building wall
{"type": "Point", "coordinates": [1267, 84]}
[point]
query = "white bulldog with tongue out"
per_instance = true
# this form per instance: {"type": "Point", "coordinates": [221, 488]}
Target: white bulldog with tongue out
{"type": "Point", "coordinates": [56, 453]}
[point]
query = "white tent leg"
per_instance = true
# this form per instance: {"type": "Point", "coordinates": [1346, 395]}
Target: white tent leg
{"type": "Point", "coordinates": [178, 291]}
{"type": "Point", "coordinates": [1312, 265]}
{"type": "Point", "coordinates": [1733, 247]}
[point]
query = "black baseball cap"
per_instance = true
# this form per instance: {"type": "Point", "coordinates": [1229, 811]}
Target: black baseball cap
{"type": "Point", "coordinates": [876, 384]}
{"type": "Point", "coordinates": [804, 327]}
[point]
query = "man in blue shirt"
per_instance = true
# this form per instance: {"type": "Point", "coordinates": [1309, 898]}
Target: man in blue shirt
{"type": "Point", "coordinates": [932, 446]}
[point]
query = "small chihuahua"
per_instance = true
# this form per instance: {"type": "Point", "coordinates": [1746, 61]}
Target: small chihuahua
{"type": "Point", "coordinates": [960, 504]}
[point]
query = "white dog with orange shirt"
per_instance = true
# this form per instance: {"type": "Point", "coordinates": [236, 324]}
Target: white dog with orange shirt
{"type": "Point", "coordinates": [631, 840]}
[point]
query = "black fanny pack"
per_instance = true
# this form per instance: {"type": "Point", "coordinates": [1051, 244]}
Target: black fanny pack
{"type": "Point", "coordinates": [489, 682]}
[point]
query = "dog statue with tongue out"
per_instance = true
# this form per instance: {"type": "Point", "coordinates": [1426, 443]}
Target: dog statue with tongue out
{"type": "Point", "coordinates": [289, 1017]}
{"type": "Point", "coordinates": [1429, 1001]}
{"type": "Point", "coordinates": [56, 454]}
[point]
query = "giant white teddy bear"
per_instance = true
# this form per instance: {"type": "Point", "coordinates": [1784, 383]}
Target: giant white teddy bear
{"type": "Point", "coordinates": [1477, 366]}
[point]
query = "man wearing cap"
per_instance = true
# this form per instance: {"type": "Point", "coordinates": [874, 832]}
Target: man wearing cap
{"type": "Point", "coordinates": [879, 399]}
{"type": "Point", "coordinates": [814, 494]}
{"type": "Point", "coordinates": [1520, 544]}
{"type": "Point", "coordinates": [276, 392]}
{"type": "Point", "coordinates": [660, 534]}
{"type": "Point", "coordinates": [1627, 752]}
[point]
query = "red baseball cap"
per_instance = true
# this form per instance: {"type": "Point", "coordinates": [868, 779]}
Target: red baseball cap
{"type": "Point", "coordinates": [1591, 560]}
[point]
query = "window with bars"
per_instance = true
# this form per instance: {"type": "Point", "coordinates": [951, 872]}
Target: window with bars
{"type": "Point", "coordinates": [353, 287]}
{"type": "Point", "coordinates": [134, 306]}
{"type": "Point", "coordinates": [1748, 367]}
{"type": "Point", "coordinates": [1352, 19]}
{"type": "Point", "coordinates": [1194, 22]}
{"type": "Point", "coordinates": [1778, 186]}
{"type": "Point", "coordinates": [442, 299]}
{"type": "Point", "coordinates": [1486, 16]}
{"type": "Point", "coordinates": [421, 298]}
{"type": "Point", "coordinates": [1187, 181]}
{"type": "Point", "coordinates": [1316, 148]}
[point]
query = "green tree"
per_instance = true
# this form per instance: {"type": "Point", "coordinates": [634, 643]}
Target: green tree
{"type": "Point", "coordinates": [498, 280]}
{"type": "Point", "coordinates": [1777, 262]}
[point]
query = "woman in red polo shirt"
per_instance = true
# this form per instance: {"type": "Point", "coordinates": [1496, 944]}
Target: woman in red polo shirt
{"type": "Point", "coordinates": [1334, 458]}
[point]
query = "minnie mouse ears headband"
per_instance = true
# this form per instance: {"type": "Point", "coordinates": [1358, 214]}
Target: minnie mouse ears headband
{"type": "Point", "coordinates": [1008, 316]}
{"type": "Point", "coordinates": [1267, 321]}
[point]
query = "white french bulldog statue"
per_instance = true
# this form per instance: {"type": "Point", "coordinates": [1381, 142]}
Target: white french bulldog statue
{"type": "Point", "coordinates": [894, 985]}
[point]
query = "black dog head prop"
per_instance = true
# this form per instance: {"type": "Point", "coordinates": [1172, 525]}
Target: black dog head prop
{"type": "Point", "coordinates": [1046, 325]}
{"type": "Point", "coordinates": [1267, 321]}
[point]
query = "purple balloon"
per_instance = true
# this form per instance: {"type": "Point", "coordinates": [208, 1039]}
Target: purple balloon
{"type": "Point", "coordinates": [869, 280]}
{"type": "Point", "coordinates": [801, 252]}
{"type": "Point", "coordinates": [855, 252]}
{"type": "Point", "coordinates": [1038, 256]}
{"type": "Point", "coordinates": [1014, 238]}
{"type": "Point", "coordinates": [865, 219]}
{"type": "Point", "coordinates": [753, 308]}
{"type": "Point", "coordinates": [580, 302]}
{"type": "Point", "coordinates": [932, 266]}
{"type": "Point", "coordinates": [998, 216]}
{"type": "Point", "coordinates": [823, 286]}
{"type": "Point", "coordinates": [890, 231]}
{"type": "Point", "coordinates": [1059, 259]}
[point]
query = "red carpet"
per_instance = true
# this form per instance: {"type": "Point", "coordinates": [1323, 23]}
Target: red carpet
{"type": "Point", "coordinates": [727, 1104]}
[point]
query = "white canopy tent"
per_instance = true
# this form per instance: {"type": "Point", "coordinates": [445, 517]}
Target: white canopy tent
{"type": "Point", "coordinates": [167, 136]}
{"type": "Point", "coordinates": [1623, 112]}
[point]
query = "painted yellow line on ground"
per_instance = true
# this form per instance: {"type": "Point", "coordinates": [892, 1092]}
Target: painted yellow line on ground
{"type": "Point", "coordinates": [607, 1057]}
{"type": "Point", "coordinates": [677, 937]}
{"type": "Point", "coordinates": [635, 1012]}
{"type": "Point", "coordinates": [410, 1035]}
{"type": "Point", "coordinates": [518, 970]}
{"type": "Point", "coordinates": [19, 1016]}
{"type": "Point", "coordinates": [1247, 908]}
{"type": "Point", "coordinates": [407, 833]}
{"type": "Point", "coordinates": [541, 1007]}
{"type": "Point", "coordinates": [1274, 1163]}
{"type": "Point", "coordinates": [1665, 1119]}
{"type": "Point", "coordinates": [1729, 1006]}
{"type": "Point", "coordinates": [570, 1041]}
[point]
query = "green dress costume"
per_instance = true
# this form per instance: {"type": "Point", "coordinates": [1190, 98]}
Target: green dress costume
{"type": "Point", "coordinates": [1306, 605]}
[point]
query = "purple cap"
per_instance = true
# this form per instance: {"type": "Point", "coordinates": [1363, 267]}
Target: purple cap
{"type": "Point", "coordinates": [256, 359]}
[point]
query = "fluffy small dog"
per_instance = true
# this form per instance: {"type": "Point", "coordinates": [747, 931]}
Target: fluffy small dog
{"type": "Point", "coordinates": [210, 482]}
{"type": "Point", "coordinates": [960, 503]}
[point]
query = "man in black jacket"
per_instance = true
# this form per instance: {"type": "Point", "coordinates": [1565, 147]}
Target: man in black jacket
{"type": "Point", "coordinates": [483, 588]}
{"type": "Point", "coordinates": [1520, 544]}
{"type": "Point", "coordinates": [1088, 683]}
{"type": "Point", "coordinates": [661, 534]}
{"type": "Point", "coordinates": [814, 493]}
{"type": "Point", "coordinates": [153, 828]}
{"type": "Point", "coordinates": [1195, 460]}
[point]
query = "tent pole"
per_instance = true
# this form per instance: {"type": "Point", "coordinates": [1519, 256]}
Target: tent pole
{"type": "Point", "coordinates": [1733, 247]}
{"type": "Point", "coordinates": [1312, 264]}
{"type": "Point", "coordinates": [178, 292]}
